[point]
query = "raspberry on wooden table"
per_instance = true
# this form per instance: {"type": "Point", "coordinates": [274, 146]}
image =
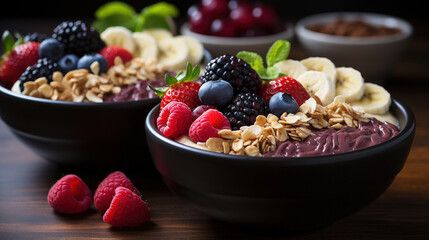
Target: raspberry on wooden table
{"type": "Point", "coordinates": [70, 195]}
{"type": "Point", "coordinates": [106, 189]}
{"type": "Point", "coordinates": [127, 209]}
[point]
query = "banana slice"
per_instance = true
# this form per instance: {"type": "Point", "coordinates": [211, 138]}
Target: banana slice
{"type": "Point", "coordinates": [15, 87]}
{"type": "Point", "coordinates": [386, 117]}
{"type": "Point", "coordinates": [291, 68]}
{"type": "Point", "coordinates": [321, 64]}
{"type": "Point", "coordinates": [119, 36]}
{"type": "Point", "coordinates": [174, 53]}
{"type": "Point", "coordinates": [159, 34]}
{"type": "Point", "coordinates": [319, 84]}
{"type": "Point", "coordinates": [196, 48]}
{"type": "Point", "coordinates": [375, 99]}
{"type": "Point", "coordinates": [147, 48]}
{"type": "Point", "coordinates": [349, 83]}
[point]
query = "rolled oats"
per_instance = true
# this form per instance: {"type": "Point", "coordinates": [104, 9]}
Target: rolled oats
{"type": "Point", "coordinates": [82, 86]}
{"type": "Point", "coordinates": [266, 132]}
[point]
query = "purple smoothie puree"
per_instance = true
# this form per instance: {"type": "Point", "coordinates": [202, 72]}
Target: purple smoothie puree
{"type": "Point", "coordinates": [136, 92]}
{"type": "Point", "coordinates": [331, 141]}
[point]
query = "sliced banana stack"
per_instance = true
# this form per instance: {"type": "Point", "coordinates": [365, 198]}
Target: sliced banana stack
{"type": "Point", "coordinates": [119, 36]}
{"type": "Point", "coordinates": [375, 99]}
{"type": "Point", "coordinates": [174, 52]}
{"type": "Point", "coordinates": [321, 64]}
{"type": "Point", "coordinates": [319, 84]}
{"type": "Point", "coordinates": [349, 84]}
{"type": "Point", "coordinates": [196, 48]}
{"type": "Point", "coordinates": [147, 47]}
{"type": "Point", "coordinates": [159, 34]}
{"type": "Point", "coordinates": [291, 68]}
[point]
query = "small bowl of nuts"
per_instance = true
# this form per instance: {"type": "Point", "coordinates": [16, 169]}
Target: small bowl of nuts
{"type": "Point", "coordinates": [370, 42]}
{"type": "Point", "coordinates": [85, 101]}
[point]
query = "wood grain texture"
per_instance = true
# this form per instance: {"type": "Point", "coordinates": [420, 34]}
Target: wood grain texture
{"type": "Point", "coordinates": [402, 212]}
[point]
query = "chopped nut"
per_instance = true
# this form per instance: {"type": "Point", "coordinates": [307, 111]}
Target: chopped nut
{"type": "Point", "coordinates": [215, 144]}
{"type": "Point", "coordinates": [45, 90]}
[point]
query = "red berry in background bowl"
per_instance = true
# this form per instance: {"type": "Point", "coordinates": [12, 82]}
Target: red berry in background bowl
{"type": "Point", "coordinates": [198, 21]}
{"type": "Point", "coordinates": [233, 18]}
{"type": "Point", "coordinates": [242, 15]}
{"type": "Point", "coordinates": [223, 27]}
{"type": "Point", "coordinates": [265, 15]}
{"type": "Point", "coordinates": [215, 7]}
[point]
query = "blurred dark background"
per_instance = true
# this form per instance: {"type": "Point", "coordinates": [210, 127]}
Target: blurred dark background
{"type": "Point", "coordinates": [43, 16]}
{"type": "Point", "coordinates": [288, 9]}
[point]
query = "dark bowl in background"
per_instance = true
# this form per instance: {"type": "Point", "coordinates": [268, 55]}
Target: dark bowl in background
{"type": "Point", "coordinates": [288, 194]}
{"type": "Point", "coordinates": [78, 133]}
{"type": "Point", "coordinates": [94, 134]}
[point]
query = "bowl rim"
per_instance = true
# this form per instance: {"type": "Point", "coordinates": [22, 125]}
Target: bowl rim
{"type": "Point", "coordinates": [302, 31]}
{"type": "Point", "coordinates": [288, 33]}
{"type": "Point", "coordinates": [207, 56]}
{"type": "Point", "coordinates": [22, 97]}
{"type": "Point", "coordinates": [221, 158]}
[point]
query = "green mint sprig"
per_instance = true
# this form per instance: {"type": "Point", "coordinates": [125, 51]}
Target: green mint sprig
{"type": "Point", "coordinates": [279, 51]}
{"type": "Point", "coordinates": [118, 13]}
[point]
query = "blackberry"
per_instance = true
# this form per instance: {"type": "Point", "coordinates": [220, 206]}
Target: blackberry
{"type": "Point", "coordinates": [235, 71]}
{"type": "Point", "coordinates": [244, 109]}
{"type": "Point", "coordinates": [35, 37]}
{"type": "Point", "coordinates": [43, 68]}
{"type": "Point", "coordinates": [78, 38]}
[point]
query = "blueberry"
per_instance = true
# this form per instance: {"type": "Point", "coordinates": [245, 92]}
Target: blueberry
{"type": "Point", "coordinates": [216, 93]}
{"type": "Point", "coordinates": [281, 103]}
{"type": "Point", "coordinates": [51, 48]}
{"type": "Point", "coordinates": [68, 62]}
{"type": "Point", "coordinates": [86, 60]}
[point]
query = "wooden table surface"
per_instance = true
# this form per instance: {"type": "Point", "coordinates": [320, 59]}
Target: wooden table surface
{"type": "Point", "coordinates": [402, 212]}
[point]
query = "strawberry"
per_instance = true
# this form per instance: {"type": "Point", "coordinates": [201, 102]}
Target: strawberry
{"type": "Point", "coordinates": [18, 56]}
{"type": "Point", "coordinates": [110, 52]}
{"type": "Point", "coordinates": [182, 88]}
{"type": "Point", "coordinates": [284, 84]}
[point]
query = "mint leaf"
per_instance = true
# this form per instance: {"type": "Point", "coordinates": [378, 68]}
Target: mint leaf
{"type": "Point", "coordinates": [253, 59]}
{"type": "Point", "coordinates": [115, 20]}
{"type": "Point", "coordinates": [162, 9]}
{"type": "Point", "coordinates": [152, 21]}
{"type": "Point", "coordinates": [279, 51]}
{"type": "Point", "coordinates": [7, 41]}
{"type": "Point", "coordinates": [114, 8]}
{"type": "Point", "coordinates": [269, 73]}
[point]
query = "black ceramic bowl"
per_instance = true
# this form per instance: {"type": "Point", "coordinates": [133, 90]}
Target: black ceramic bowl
{"type": "Point", "coordinates": [77, 133]}
{"type": "Point", "coordinates": [292, 194]}
{"type": "Point", "coordinates": [68, 133]}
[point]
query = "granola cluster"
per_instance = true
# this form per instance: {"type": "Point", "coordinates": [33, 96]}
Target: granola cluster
{"type": "Point", "coordinates": [265, 134]}
{"type": "Point", "coordinates": [82, 86]}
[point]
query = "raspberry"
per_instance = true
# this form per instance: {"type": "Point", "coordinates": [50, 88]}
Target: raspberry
{"type": "Point", "coordinates": [127, 209]}
{"type": "Point", "coordinates": [200, 110]}
{"type": "Point", "coordinates": [111, 52]}
{"type": "Point", "coordinates": [70, 195]}
{"type": "Point", "coordinates": [174, 119]}
{"type": "Point", "coordinates": [208, 125]}
{"type": "Point", "coordinates": [106, 189]}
